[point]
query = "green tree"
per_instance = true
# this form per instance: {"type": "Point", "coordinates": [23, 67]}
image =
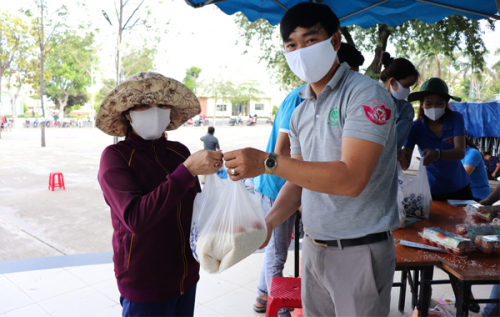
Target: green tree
{"type": "Point", "coordinates": [244, 93]}
{"type": "Point", "coordinates": [137, 60]}
{"type": "Point", "coordinates": [69, 76]}
{"type": "Point", "coordinates": [414, 36]}
{"type": "Point", "coordinates": [191, 78]}
{"type": "Point", "coordinates": [14, 43]}
{"type": "Point", "coordinates": [39, 23]}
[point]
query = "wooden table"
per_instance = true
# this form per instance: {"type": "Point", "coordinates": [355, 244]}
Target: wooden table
{"type": "Point", "coordinates": [476, 268]}
{"type": "Point", "coordinates": [420, 261]}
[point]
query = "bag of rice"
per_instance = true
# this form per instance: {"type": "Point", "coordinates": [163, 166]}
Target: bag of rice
{"type": "Point", "coordinates": [227, 226]}
{"type": "Point", "coordinates": [414, 194]}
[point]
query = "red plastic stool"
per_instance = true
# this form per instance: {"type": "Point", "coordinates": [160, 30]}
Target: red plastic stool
{"type": "Point", "coordinates": [60, 181]}
{"type": "Point", "coordinates": [285, 292]}
{"type": "Point", "coordinates": [297, 312]}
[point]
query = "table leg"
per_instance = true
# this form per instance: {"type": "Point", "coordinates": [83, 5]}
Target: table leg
{"type": "Point", "coordinates": [425, 290]}
{"type": "Point", "coordinates": [463, 296]}
{"type": "Point", "coordinates": [416, 282]}
{"type": "Point", "coordinates": [402, 290]}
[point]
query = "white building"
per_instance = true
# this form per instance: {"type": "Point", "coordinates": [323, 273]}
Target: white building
{"type": "Point", "coordinates": [262, 107]}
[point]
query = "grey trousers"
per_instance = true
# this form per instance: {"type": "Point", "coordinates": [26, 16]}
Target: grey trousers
{"type": "Point", "coordinates": [353, 281]}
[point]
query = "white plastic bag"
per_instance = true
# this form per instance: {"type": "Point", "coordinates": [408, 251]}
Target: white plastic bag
{"type": "Point", "coordinates": [227, 226]}
{"type": "Point", "coordinates": [414, 194]}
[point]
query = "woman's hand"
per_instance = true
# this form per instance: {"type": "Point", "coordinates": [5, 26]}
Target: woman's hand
{"type": "Point", "coordinates": [204, 162]}
{"type": "Point", "coordinates": [401, 154]}
{"type": "Point", "coordinates": [429, 156]}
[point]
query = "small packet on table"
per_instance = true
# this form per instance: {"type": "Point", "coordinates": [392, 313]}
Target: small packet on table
{"type": "Point", "coordinates": [452, 243]}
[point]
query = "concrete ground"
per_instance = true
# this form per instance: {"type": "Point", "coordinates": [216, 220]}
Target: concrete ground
{"type": "Point", "coordinates": [55, 249]}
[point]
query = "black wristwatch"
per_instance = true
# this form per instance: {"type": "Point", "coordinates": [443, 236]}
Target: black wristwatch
{"type": "Point", "coordinates": [270, 163]}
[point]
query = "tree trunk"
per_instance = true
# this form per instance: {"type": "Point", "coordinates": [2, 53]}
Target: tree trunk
{"type": "Point", "coordinates": [347, 36]}
{"type": "Point", "coordinates": [62, 104]}
{"type": "Point", "coordinates": [384, 32]}
{"type": "Point", "coordinates": [13, 99]}
{"type": "Point", "coordinates": [42, 52]}
{"type": "Point", "coordinates": [1, 73]}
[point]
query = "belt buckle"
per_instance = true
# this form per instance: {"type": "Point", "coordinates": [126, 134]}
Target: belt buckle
{"type": "Point", "coordinates": [320, 244]}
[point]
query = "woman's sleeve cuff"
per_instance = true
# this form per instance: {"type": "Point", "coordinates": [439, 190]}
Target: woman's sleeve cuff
{"type": "Point", "coordinates": [182, 177]}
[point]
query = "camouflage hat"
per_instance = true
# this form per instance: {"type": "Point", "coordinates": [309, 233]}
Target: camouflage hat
{"type": "Point", "coordinates": [146, 88]}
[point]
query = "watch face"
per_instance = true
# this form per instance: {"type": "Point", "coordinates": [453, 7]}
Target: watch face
{"type": "Point", "coordinates": [270, 163]}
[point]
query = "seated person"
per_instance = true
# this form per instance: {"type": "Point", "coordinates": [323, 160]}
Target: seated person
{"type": "Point", "coordinates": [492, 164]}
{"type": "Point", "coordinates": [473, 164]}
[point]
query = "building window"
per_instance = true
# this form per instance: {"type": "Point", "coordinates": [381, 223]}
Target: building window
{"type": "Point", "coordinates": [259, 106]}
{"type": "Point", "coordinates": [221, 107]}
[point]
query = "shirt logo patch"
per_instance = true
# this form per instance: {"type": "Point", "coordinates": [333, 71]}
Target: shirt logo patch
{"type": "Point", "coordinates": [378, 115]}
{"type": "Point", "coordinates": [449, 141]}
{"type": "Point", "coordinates": [333, 117]}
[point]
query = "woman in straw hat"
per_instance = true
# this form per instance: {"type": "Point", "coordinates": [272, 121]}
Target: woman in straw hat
{"type": "Point", "coordinates": [150, 185]}
{"type": "Point", "coordinates": [439, 133]}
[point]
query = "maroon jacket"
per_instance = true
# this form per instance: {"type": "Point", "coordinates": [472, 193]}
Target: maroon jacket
{"type": "Point", "coordinates": [150, 193]}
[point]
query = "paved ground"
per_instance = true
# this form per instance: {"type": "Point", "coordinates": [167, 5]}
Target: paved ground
{"type": "Point", "coordinates": [36, 222]}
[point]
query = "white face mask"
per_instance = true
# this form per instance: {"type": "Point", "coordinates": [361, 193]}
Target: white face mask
{"type": "Point", "coordinates": [434, 113]}
{"type": "Point", "coordinates": [313, 62]}
{"type": "Point", "coordinates": [150, 124]}
{"type": "Point", "coordinates": [401, 93]}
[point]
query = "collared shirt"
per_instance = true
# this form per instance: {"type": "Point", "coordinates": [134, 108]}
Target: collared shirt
{"type": "Point", "coordinates": [492, 163]}
{"type": "Point", "coordinates": [404, 119]}
{"type": "Point", "coordinates": [351, 105]}
{"type": "Point", "coordinates": [478, 178]}
{"type": "Point", "coordinates": [270, 185]}
{"type": "Point", "coordinates": [445, 177]}
{"type": "Point", "coordinates": [210, 142]}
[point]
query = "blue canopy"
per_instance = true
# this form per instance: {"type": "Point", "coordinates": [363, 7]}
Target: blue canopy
{"type": "Point", "coordinates": [365, 13]}
{"type": "Point", "coordinates": [481, 119]}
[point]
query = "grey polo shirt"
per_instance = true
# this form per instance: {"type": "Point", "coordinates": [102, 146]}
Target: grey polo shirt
{"type": "Point", "coordinates": [210, 142]}
{"type": "Point", "coordinates": [351, 105]}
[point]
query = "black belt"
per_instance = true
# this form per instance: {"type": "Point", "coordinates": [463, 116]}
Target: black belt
{"type": "Point", "coordinates": [371, 238]}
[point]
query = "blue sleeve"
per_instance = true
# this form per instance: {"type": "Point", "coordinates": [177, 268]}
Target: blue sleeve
{"type": "Point", "coordinates": [458, 124]}
{"type": "Point", "coordinates": [287, 107]}
{"type": "Point", "coordinates": [403, 123]}
{"type": "Point", "coordinates": [412, 137]}
{"type": "Point", "coordinates": [472, 157]}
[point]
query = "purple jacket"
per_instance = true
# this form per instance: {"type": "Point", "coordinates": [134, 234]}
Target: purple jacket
{"type": "Point", "coordinates": [151, 195]}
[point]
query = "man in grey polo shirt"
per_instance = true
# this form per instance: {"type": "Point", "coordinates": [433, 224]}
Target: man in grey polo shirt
{"type": "Point", "coordinates": [342, 171]}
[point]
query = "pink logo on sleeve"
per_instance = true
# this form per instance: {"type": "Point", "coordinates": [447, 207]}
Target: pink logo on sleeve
{"type": "Point", "coordinates": [378, 115]}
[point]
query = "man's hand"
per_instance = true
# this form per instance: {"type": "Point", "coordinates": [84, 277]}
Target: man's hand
{"type": "Point", "coordinates": [246, 163]}
{"type": "Point", "coordinates": [494, 174]}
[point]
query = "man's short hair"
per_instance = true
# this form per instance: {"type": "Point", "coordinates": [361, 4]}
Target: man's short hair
{"type": "Point", "coordinates": [348, 53]}
{"type": "Point", "coordinates": [306, 15]}
{"type": "Point", "coordinates": [487, 153]}
{"type": "Point", "coordinates": [211, 130]}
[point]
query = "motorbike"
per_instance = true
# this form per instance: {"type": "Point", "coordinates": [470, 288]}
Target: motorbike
{"type": "Point", "coordinates": [234, 121]}
{"type": "Point", "coordinates": [35, 123]}
{"type": "Point", "coordinates": [251, 121]}
{"type": "Point", "coordinates": [27, 123]}
{"type": "Point", "coordinates": [198, 123]}
{"type": "Point", "coordinates": [189, 123]}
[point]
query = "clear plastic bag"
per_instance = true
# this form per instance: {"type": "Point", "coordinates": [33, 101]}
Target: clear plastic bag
{"type": "Point", "coordinates": [227, 226]}
{"type": "Point", "coordinates": [414, 194]}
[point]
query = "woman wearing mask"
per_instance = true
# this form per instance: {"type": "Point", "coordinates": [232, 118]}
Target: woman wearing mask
{"type": "Point", "coordinates": [150, 185]}
{"type": "Point", "coordinates": [440, 136]}
{"type": "Point", "coordinates": [397, 77]}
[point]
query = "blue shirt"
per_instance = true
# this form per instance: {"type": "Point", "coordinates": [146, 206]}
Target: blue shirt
{"type": "Point", "coordinates": [445, 177]}
{"type": "Point", "coordinates": [491, 165]}
{"type": "Point", "coordinates": [404, 118]}
{"type": "Point", "coordinates": [270, 185]}
{"type": "Point", "coordinates": [478, 178]}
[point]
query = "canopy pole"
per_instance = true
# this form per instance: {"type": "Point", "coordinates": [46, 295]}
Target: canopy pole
{"type": "Point", "coordinates": [364, 9]}
{"type": "Point", "coordinates": [496, 17]}
{"type": "Point", "coordinates": [281, 5]}
{"type": "Point", "coordinates": [498, 6]}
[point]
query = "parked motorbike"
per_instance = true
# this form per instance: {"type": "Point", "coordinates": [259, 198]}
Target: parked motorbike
{"type": "Point", "coordinates": [35, 123]}
{"type": "Point", "coordinates": [251, 121]}
{"type": "Point", "coordinates": [234, 121]}
{"type": "Point", "coordinates": [27, 123]}
{"type": "Point", "coordinates": [189, 123]}
{"type": "Point", "coordinates": [198, 123]}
